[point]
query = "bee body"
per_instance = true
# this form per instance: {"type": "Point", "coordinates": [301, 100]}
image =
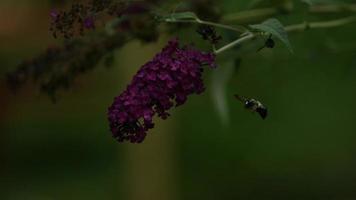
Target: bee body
{"type": "Point", "coordinates": [253, 105]}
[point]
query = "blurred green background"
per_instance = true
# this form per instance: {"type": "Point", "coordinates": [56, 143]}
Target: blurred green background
{"type": "Point", "coordinates": [305, 149]}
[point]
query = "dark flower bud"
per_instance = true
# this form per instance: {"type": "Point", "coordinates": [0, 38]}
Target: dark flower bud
{"type": "Point", "coordinates": [209, 33]}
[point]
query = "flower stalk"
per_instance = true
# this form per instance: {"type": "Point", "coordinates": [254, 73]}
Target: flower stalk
{"type": "Point", "coordinates": [242, 39]}
{"type": "Point", "coordinates": [263, 13]}
{"type": "Point", "coordinates": [323, 24]}
{"type": "Point", "coordinates": [248, 35]}
{"type": "Point", "coordinates": [240, 29]}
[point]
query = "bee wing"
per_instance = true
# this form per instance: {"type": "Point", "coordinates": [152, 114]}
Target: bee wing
{"type": "Point", "coordinates": [240, 98]}
{"type": "Point", "coordinates": [262, 111]}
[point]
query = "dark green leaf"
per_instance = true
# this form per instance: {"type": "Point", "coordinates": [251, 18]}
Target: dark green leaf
{"type": "Point", "coordinates": [274, 27]}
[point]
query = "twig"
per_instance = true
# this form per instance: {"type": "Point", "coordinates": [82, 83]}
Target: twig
{"type": "Point", "coordinates": [248, 36]}
{"type": "Point", "coordinates": [240, 29]}
{"type": "Point", "coordinates": [333, 8]}
{"type": "Point", "coordinates": [247, 16]}
{"type": "Point", "coordinates": [199, 21]}
{"type": "Point", "coordinates": [324, 24]}
{"type": "Point", "coordinates": [292, 28]}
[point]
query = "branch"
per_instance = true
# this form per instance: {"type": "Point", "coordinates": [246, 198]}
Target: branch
{"type": "Point", "coordinates": [292, 28]}
{"type": "Point", "coordinates": [199, 21]}
{"type": "Point", "coordinates": [333, 8]}
{"type": "Point", "coordinates": [324, 24]}
{"type": "Point", "coordinates": [240, 29]}
{"type": "Point", "coordinates": [247, 16]}
{"type": "Point", "coordinates": [244, 38]}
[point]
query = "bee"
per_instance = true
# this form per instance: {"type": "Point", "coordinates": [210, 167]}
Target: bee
{"type": "Point", "coordinates": [253, 105]}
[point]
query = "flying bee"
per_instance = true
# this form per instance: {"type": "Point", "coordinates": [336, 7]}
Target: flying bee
{"type": "Point", "coordinates": [253, 105]}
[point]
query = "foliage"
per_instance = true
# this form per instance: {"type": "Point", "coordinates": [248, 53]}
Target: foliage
{"type": "Point", "coordinates": [274, 27]}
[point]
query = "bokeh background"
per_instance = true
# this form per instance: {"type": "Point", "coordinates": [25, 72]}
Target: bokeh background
{"type": "Point", "coordinates": [305, 149]}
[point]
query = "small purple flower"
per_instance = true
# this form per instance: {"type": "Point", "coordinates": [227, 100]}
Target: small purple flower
{"type": "Point", "coordinates": [164, 82]}
{"type": "Point", "coordinates": [89, 23]}
{"type": "Point", "coordinates": [54, 15]}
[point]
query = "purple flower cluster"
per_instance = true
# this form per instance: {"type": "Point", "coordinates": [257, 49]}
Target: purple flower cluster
{"type": "Point", "coordinates": [82, 16]}
{"type": "Point", "coordinates": [160, 84]}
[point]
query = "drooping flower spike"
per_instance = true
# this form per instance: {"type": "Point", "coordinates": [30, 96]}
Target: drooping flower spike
{"type": "Point", "coordinates": [164, 82]}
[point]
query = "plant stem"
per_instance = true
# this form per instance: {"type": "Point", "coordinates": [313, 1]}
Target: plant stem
{"type": "Point", "coordinates": [240, 29]}
{"type": "Point", "coordinates": [325, 24]}
{"type": "Point", "coordinates": [292, 28]}
{"type": "Point", "coordinates": [199, 21]}
{"type": "Point", "coordinates": [265, 12]}
{"type": "Point", "coordinates": [248, 36]}
{"type": "Point", "coordinates": [333, 8]}
{"type": "Point", "coordinates": [253, 15]}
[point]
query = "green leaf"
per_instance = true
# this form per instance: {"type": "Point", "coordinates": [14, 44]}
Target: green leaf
{"type": "Point", "coordinates": [274, 27]}
{"type": "Point", "coordinates": [181, 16]}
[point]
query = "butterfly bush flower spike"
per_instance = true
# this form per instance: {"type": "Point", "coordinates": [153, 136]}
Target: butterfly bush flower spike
{"type": "Point", "coordinates": [164, 82]}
